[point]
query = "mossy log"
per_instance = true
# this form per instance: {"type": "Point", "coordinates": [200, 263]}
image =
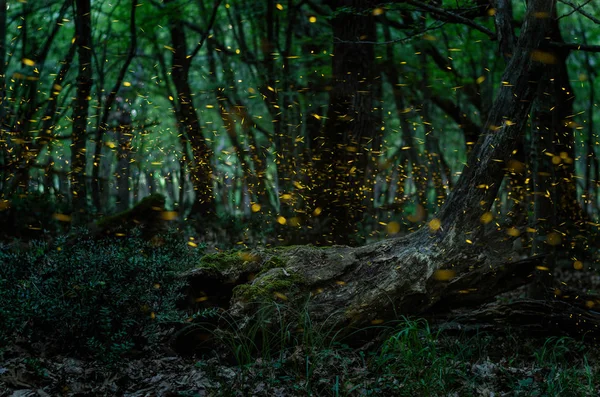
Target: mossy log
{"type": "Point", "coordinates": [346, 288]}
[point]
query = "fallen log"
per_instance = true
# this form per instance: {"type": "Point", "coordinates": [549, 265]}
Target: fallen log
{"type": "Point", "coordinates": [346, 289]}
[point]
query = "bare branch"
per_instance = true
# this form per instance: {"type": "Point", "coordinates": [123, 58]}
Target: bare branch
{"type": "Point", "coordinates": [453, 17]}
{"type": "Point", "coordinates": [208, 28]}
{"type": "Point", "coordinates": [579, 9]}
{"type": "Point", "coordinates": [575, 46]}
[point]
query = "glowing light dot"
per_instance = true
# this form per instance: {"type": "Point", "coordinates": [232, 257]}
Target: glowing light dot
{"type": "Point", "coordinates": [312, 19]}
{"type": "Point", "coordinates": [444, 274]}
{"type": "Point", "coordinates": [279, 295]}
{"type": "Point", "coordinates": [393, 227]}
{"type": "Point", "coordinates": [435, 225]}
{"type": "Point", "coordinates": [486, 218]}
{"type": "Point", "coordinates": [62, 217]}
{"type": "Point", "coordinates": [553, 238]}
{"type": "Point", "coordinates": [513, 232]}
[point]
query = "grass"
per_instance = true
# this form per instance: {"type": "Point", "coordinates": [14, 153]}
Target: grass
{"type": "Point", "coordinates": [410, 360]}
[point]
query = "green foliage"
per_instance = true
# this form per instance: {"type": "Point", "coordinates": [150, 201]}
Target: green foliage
{"type": "Point", "coordinates": [457, 4]}
{"type": "Point", "coordinates": [99, 296]}
{"type": "Point", "coordinates": [411, 357]}
{"type": "Point", "coordinates": [31, 215]}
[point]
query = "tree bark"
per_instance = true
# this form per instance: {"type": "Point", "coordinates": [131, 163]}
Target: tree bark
{"type": "Point", "coordinates": [83, 28]}
{"type": "Point", "coordinates": [201, 169]}
{"type": "Point", "coordinates": [3, 21]}
{"type": "Point", "coordinates": [342, 149]}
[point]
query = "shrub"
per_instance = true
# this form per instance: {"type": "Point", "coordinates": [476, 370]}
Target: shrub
{"type": "Point", "coordinates": [31, 215]}
{"type": "Point", "coordinates": [99, 296]}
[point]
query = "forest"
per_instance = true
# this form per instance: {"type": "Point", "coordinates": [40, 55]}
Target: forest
{"type": "Point", "coordinates": [299, 198]}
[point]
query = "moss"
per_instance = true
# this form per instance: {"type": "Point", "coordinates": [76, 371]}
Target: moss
{"type": "Point", "coordinates": [265, 287]}
{"type": "Point", "coordinates": [241, 260]}
{"type": "Point", "coordinates": [273, 263]}
{"type": "Point", "coordinates": [223, 260]}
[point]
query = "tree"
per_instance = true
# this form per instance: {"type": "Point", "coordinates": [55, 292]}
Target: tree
{"type": "Point", "coordinates": [83, 27]}
{"type": "Point", "coordinates": [342, 150]}
{"type": "Point", "coordinates": [201, 169]}
{"type": "Point", "coordinates": [2, 57]}
{"type": "Point", "coordinates": [449, 263]}
{"type": "Point", "coordinates": [123, 169]}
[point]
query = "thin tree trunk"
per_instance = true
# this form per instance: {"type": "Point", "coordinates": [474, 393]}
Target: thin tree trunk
{"type": "Point", "coordinates": [3, 20]}
{"type": "Point", "coordinates": [110, 100]}
{"type": "Point", "coordinates": [200, 167]}
{"type": "Point", "coordinates": [83, 28]}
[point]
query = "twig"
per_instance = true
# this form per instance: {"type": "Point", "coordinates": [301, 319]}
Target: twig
{"type": "Point", "coordinates": [578, 8]}
{"type": "Point", "coordinates": [453, 17]}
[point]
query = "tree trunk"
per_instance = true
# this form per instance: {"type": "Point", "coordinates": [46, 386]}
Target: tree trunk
{"type": "Point", "coordinates": [342, 151]}
{"type": "Point", "coordinates": [433, 269]}
{"type": "Point", "coordinates": [200, 166]}
{"type": "Point", "coordinates": [110, 101]}
{"type": "Point", "coordinates": [83, 28]}
{"type": "Point", "coordinates": [3, 148]}
{"type": "Point", "coordinates": [2, 58]}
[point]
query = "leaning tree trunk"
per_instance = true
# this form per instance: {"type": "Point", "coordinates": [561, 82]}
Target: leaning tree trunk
{"type": "Point", "coordinates": [448, 263]}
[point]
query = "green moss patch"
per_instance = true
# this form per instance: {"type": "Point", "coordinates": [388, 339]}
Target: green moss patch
{"type": "Point", "coordinates": [223, 261]}
{"type": "Point", "coordinates": [275, 285]}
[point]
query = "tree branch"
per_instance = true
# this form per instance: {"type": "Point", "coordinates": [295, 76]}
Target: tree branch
{"type": "Point", "coordinates": [453, 17]}
{"type": "Point", "coordinates": [578, 8]}
{"type": "Point", "coordinates": [208, 28]}
{"type": "Point", "coordinates": [575, 46]}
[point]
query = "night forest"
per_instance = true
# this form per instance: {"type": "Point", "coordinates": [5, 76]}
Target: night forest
{"type": "Point", "coordinates": [304, 197]}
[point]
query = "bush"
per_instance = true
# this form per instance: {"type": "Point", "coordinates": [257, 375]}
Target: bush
{"type": "Point", "coordinates": [31, 216]}
{"type": "Point", "coordinates": [95, 296]}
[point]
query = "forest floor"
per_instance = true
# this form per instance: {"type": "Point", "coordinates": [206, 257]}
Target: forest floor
{"type": "Point", "coordinates": [506, 365]}
{"type": "Point", "coordinates": [408, 358]}
{"type": "Point", "coordinates": [412, 360]}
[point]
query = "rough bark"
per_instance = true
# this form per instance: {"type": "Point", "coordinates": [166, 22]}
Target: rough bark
{"type": "Point", "coordinates": [481, 178]}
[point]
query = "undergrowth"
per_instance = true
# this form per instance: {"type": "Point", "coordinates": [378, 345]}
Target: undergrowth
{"type": "Point", "coordinates": [98, 297]}
{"type": "Point", "coordinates": [106, 298]}
{"type": "Point", "coordinates": [407, 358]}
